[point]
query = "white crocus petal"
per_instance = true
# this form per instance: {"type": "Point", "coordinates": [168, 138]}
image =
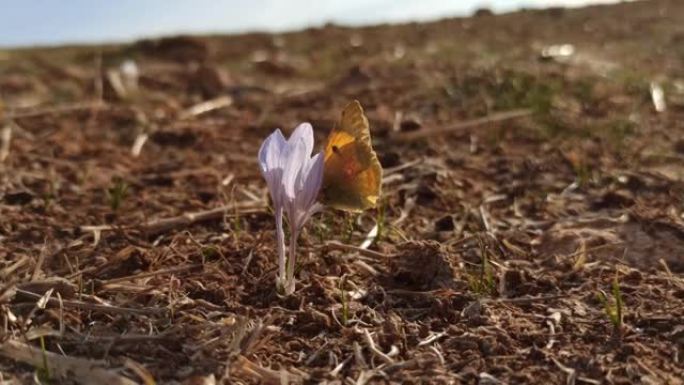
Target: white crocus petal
{"type": "Point", "coordinates": [304, 131]}
{"type": "Point", "coordinates": [309, 183]}
{"type": "Point", "coordinates": [296, 158]}
{"type": "Point", "coordinates": [271, 164]}
{"type": "Point", "coordinates": [314, 178]}
{"type": "Point", "coordinates": [271, 149]}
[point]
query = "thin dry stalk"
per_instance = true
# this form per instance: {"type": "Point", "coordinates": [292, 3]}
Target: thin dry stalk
{"type": "Point", "coordinates": [524, 300]}
{"type": "Point", "coordinates": [459, 127]}
{"type": "Point", "coordinates": [9, 270]}
{"type": "Point", "coordinates": [172, 270]}
{"type": "Point", "coordinates": [163, 225]}
{"type": "Point", "coordinates": [95, 307]}
{"type": "Point", "coordinates": [334, 245]}
{"type": "Point", "coordinates": [159, 226]}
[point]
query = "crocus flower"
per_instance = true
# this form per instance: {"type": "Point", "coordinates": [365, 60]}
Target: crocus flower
{"type": "Point", "coordinates": [294, 178]}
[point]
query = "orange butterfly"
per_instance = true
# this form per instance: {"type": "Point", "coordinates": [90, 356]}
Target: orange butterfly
{"type": "Point", "coordinates": [352, 173]}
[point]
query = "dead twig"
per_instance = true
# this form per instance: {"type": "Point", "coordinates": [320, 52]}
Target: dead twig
{"type": "Point", "coordinates": [118, 338]}
{"type": "Point", "coordinates": [6, 272]}
{"type": "Point", "coordinates": [523, 300]}
{"type": "Point", "coordinates": [85, 106]}
{"type": "Point", "coordinates": [371, 346]}
{"type": "Point", "coordinates": [429, 132]}
{"type": "Point", "coordinates": [158, 226]}
{"type": "Point", "coordinates": [95, 307]}
{"type": "Point", "coordinates": [163, 225]}
{"type": "Point", "coordinates": [333, 245]}
{"type": "Point", "coordinates": [172, 270]}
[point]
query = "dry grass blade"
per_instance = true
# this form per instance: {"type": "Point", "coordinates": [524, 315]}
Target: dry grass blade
{"type": "Point", "coordinates": [373, 348]}
{"type": "Point", "coordinates": [207, 106]}
{"type": "Point", "coordinates": [581, 259]}
{"type": "Point", "coordinates": [5, 141]}
{"type": "Point", "coordinates": [370, 237]}
{"type": "Point", "coordinates": [138, 144]}
{"type": "Point", "coordinates": [80, 370]}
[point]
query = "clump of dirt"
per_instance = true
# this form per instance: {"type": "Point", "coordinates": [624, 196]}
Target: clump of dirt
{"type": "Point", "coordinates": [422, 266]}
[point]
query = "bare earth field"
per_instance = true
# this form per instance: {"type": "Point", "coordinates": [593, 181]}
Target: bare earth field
{"type": "Point", "coordinates": [531, 227]}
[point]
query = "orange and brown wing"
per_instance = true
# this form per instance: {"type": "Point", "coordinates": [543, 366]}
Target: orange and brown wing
{"type": "Point", "coordinates": [353, 174]}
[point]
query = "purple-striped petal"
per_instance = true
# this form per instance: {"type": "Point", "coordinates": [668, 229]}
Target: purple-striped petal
{"type": "Point", "coordinates": [296, 158]}
{"type": "Point", "coordinates": [304, 131]}
{"type": "Point", "coordinates": [271, 149]}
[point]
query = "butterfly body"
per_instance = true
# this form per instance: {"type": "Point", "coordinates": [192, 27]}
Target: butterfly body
{"type": "Point", "coordinates": [352, 173]}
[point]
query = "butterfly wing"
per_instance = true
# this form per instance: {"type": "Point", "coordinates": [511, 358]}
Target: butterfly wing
{"type": "Point", "coordinates": [352, 176]}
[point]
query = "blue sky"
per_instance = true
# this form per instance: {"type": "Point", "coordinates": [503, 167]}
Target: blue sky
{"type": "Point", "coordinates": [50, 22]}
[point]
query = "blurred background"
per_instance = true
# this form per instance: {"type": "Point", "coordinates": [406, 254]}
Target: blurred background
{"type": "Point", "coordinates": [55, 22]}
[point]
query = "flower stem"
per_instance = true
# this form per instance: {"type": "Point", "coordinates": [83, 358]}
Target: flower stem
{"type": "Point", "coordinates": [290, 279]}
{"type": "Point", "coordinates": [280, 234]}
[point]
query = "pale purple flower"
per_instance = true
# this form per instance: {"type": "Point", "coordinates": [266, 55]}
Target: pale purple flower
{"type": "Point", "coordinates": [294, 179]}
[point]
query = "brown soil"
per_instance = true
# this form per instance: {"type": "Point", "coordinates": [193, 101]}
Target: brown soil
{"type": "Point", "coordinates": [496, 237]}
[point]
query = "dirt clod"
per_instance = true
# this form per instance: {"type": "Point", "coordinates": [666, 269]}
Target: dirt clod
{"type": "Point", "coordinates": [422, 265]}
